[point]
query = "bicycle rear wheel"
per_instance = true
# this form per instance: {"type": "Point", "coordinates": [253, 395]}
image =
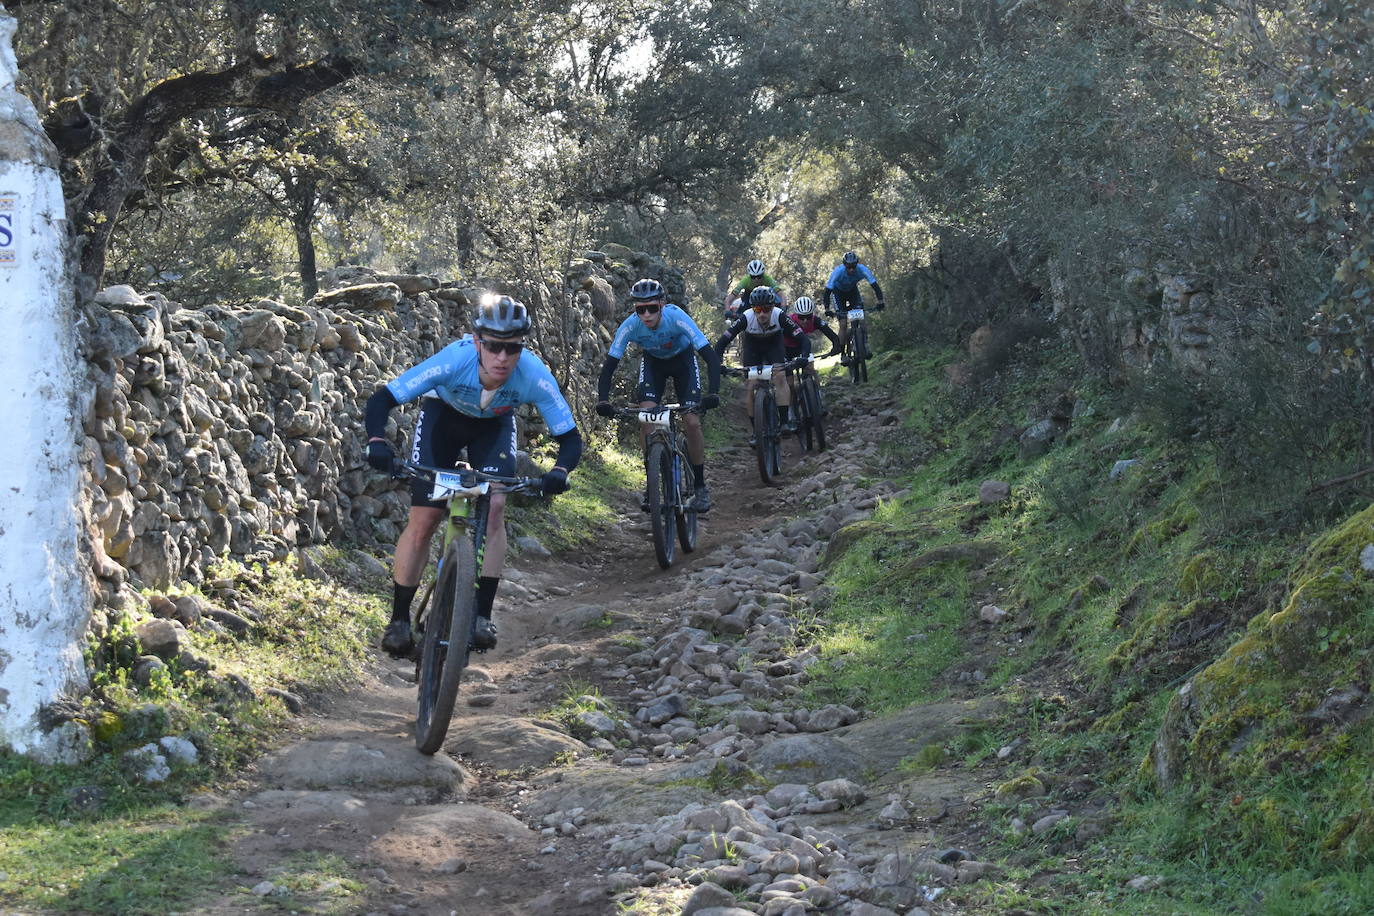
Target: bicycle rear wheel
{"type": "Point", "coordinates": [764, 411]}
{"type": "Point", "coordinates": [811, 396]}
{"type": "Point", "coordinates": [686, 492]}
{"type": "Point", "coordinates": [444, 652]}
{"type": "Point", "coordinates": [658, 466]}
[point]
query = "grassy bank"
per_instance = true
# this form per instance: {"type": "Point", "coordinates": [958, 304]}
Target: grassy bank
{"type": "Point", "coordinates": [1131, 563]}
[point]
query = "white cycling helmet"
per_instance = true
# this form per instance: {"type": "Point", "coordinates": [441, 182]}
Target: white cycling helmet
{"type": "Point", "coordinates": [754, 268]}
{"type": "Point", "coordinates": [803, 306]}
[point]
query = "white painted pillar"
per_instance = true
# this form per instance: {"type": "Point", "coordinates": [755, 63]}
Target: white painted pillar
{"type": "Point", "coordinates": [44, 596]}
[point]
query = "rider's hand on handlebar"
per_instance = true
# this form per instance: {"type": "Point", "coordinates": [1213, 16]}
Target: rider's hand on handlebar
{"type": "Point", "coordinates": [605, 409]}
{"type": "Point", "coordinates": [710, 402]}
{"type": "Point", "coordinates": [879, 306]}
{"type": "Point", "coordinates": [380, 456]}
{"type": "Point", "coordinates": [554, 482]}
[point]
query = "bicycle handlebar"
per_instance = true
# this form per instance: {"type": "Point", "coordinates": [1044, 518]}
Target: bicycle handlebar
{"type": "Point", "coordinates": [632, 413]}
{"type": "Point", "coordinates": [795, 362]}
{"type": "Point", "coordinates": [406, 470]}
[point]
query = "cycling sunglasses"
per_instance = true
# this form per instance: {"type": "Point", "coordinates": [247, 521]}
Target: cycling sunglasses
{"type": "Point", "coordinates": [513, 347]}
{"type": "Point", "coordinates": [647, 308]}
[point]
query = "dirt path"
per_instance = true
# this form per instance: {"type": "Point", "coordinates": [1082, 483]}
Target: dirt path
{"type": "Point", "coordinates": [349, 818]}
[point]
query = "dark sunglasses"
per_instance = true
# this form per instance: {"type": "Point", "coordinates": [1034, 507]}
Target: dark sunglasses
{"type": "Point", "coordinates": [513, 347]}
{"type": "Point", "coordinates": [647, 308]}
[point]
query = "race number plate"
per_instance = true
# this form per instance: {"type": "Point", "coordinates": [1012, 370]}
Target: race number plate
{"type": "Point", "coordinates": [448, 484]}
{"type": "Point", "coordinates": [759, 373]}
{"type": "Point", "coordinates": [654, 417]}
{"type": "Point", "coordinates": [856, 315]}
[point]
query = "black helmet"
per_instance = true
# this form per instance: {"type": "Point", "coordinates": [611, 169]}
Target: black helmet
{"type": "Point", "coordinates": [647, 290]}
{"type": "Point", "coordinates": [761, 295]}
{"type": "Point", "coordinates": [850, 259]}
{"type": "Point", "coordinates": [501, 316]}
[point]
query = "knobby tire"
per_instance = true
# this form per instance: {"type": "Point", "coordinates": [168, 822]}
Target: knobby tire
{"type": "Point", "coordinates": [811, 394]}
{"type": "Point", "coordinates": [441, 666]}
{"type": "Point", "coordinates": [658, 468]}
{"type": "Point", "coordinates": [764, 411]}
{"type": "Point", "coordinates": [858, 342]}
{"type": "Point", "coordinates": [686, 515]}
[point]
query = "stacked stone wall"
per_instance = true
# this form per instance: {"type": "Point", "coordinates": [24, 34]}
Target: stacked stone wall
{"type": "Point", "coordinates": [238, 430]}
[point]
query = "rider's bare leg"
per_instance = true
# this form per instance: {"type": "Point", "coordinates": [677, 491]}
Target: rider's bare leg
{"type": "Point", "coordinates": [412, 548]}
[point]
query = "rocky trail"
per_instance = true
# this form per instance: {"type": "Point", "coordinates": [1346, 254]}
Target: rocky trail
{"type": "Point", "coordinates": [646, 797]}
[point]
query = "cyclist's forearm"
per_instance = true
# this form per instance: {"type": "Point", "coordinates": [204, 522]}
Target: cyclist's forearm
{"type": "Point", "coordinates": [569, 449]}
{"type": "Point", "coordinates": [830, 335]}
{"type": "Point", "coordinates": [378, 409]}
{"type": "Point", "coordinates": [708, 354]}
{"type": "Point", "coordinates": [877, 290]}
{"type": "Point", "coordinates": [603, 384]}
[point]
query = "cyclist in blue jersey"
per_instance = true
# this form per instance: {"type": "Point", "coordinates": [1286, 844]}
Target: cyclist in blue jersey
{"type": "Point", "coordinates": [469, 392]}
{"type": "Point", "coordinates": [670, 342]}
{"type": "Point", "coordinates": [842, 293]}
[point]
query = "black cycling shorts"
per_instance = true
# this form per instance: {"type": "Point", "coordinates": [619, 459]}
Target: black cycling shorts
{"type": "Point", "coordinates": [442, 433]}
{"type": "Point", "coordinates": [846, 300]}
{"type": "Point", "coordinates": [682, 369]}
{"type": "Point", "coordinates": [766, 350]}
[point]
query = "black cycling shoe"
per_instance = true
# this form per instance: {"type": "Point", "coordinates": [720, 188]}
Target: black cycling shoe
{"type": "Point", "coordinates": [396, 640]}
{"type": "Point", "coordinates": [484, 634]}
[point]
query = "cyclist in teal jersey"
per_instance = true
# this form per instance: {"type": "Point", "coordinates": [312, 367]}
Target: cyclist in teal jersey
{"type": "Point", "coordinates": [469, 392]}
{"type": "Point", "coordinates": [670, 342]}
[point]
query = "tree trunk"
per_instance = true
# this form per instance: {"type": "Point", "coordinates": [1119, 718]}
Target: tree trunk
{"type": "Point", "coordinates": [256, 83]}
{"type": "Point", "coordinates": [304, 200]}
{"type": "Point", "coordinates": [45, 578]}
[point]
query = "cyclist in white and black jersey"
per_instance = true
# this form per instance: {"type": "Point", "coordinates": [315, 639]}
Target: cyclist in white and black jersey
{"type": "Point", "coordinates": [763, 328]}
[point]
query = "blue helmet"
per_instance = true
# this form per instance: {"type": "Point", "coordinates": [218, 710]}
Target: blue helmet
{"type": "Point", "coordinates": [647, 290]}
{"type": "Point", "coordinates": [502, 316]}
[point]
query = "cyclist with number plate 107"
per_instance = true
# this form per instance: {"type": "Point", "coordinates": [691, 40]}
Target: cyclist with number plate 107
{"type": "Point", "coordinates": [670, 342]}
{"type": "Point", "coordinates": [842, 293]}
{"type": "Point", "coordinates": [470, 391]}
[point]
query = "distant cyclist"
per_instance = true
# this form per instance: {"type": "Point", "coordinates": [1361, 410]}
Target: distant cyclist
{"type": "Point", "coordinates": [842, 292]}
{"type": "Point", "coordinates": [670, 342]}
{"type": "Point", "coordinates": [469, 392]}
{"type": "Point", "coordinates": [804, 314]}
{"type": "Point", "coordinates": [754, 277]}
{"type": "Point", "coordinates": [764, 327]}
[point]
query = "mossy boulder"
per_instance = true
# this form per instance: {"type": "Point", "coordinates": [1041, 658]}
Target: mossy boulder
{"type": "Point", "coordinates": [1258, 709]}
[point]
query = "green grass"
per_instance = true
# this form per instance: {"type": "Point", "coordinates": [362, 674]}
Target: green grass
{"type": "Point", "coordinates": [574, 518]}
{"type": "Point", "coordinates": [135, 850]}
{"type": "Point", "coordinates": [1121, 591]}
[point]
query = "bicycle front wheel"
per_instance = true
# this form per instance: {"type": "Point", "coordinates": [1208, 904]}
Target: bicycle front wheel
{"type": "Point", "coordinates": [658, 465]}
{"type": "Point", "coordinates": [858, 342]}
{"type": "Point", "coordinates": [811, 395]}
{"type": "Point", "coordinates": [764, 412]}
{"type": "Point", "coordinates": [444, 652]}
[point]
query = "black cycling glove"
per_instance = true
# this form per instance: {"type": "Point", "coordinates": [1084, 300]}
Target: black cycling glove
{"type": "Point", "coordinates": [381, 456]}
{"type": "Point", "coordinates": [605, 409]}
{"type": "Point", "coordinates": [710, 402]}
{"type": "Point", "coordinates": [554, 482]}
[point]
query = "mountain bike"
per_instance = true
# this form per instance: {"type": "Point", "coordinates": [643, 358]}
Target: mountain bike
{"type": "Point", "coordinates": [444, 625]}
{"type": "Point", "coordinates": [856, 346]}
{"type": "Point", "coordinates": [669, 487]}
{"type": "Point", "coordinates": [767, 436]}
{"type": "Point", "coordinates": [810, 418]}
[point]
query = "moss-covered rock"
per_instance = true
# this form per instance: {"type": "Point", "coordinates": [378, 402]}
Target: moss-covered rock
{"type": "Point", "coordinates": [1254, 712]}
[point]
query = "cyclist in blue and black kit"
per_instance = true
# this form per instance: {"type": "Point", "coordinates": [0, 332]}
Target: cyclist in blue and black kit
{"type": "Point", "coordinates": [469, 390]}
{"type": "Point", "coordinates": [842, 292]}
{"type": "Point", "coordinates": [670, 342]}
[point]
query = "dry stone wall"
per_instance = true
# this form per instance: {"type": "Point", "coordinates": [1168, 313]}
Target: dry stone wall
{"type": "Point", "coordinates": [237, 430]}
